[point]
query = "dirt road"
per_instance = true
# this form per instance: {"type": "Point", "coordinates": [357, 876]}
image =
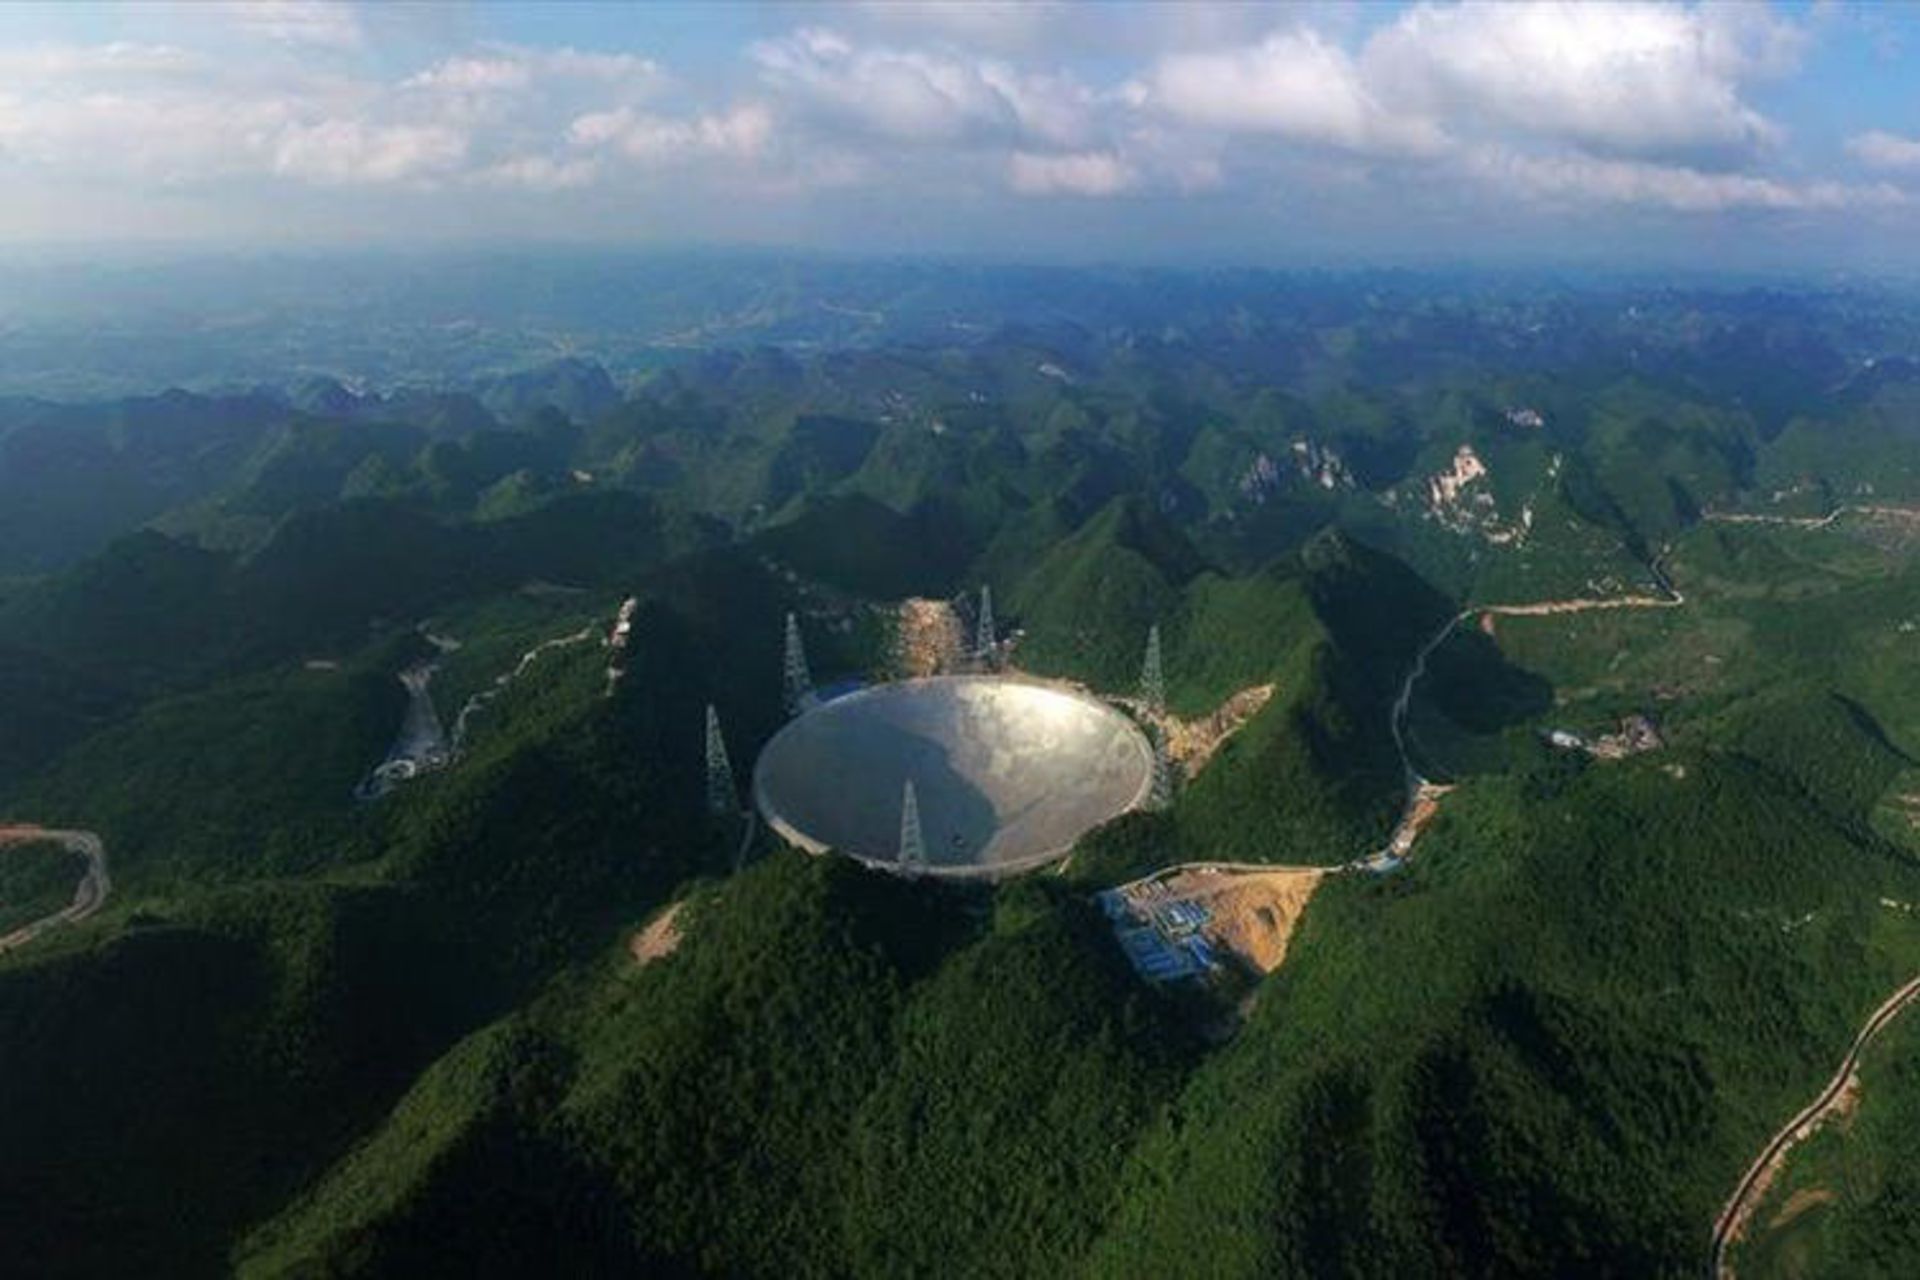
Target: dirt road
{"type": "Point", "coordinates": [1670, 599]}
{"type": "Point", "coordinates": [478, 702]}
{"type": "Point", "coordinates": [1733, 1219]}
{"type": "Point", "coordinates": [88, 895]}
{"type": "Point", "coordinates": [1815, 522]}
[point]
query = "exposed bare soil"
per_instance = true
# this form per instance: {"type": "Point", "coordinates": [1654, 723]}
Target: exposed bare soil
{"type": "Point", "coordinates": [661, 937]}
{"type": "Point", "coordinates": [1798, 1203]}
{"type": "Point", "coordinates": [1192, 743]}
{"type": "Point", "coordinates": [1420, 814]}
{"type": "Point", "coordinates": [1254, 913]}
{"type": "Point", "coordinates": [929, 640]}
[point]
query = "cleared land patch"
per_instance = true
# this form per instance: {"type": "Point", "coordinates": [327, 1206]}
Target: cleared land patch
{"type": "Point", "coordinates": [1254, 913]}
{"type": "Point", "coordinates": [660, 938]}
{"type": "Point", "coordinates": [929, 641]}
{"type": "Point", "coordinates": [1191, 743]}
{"type": "Point", "coordinates": [1182, 924]}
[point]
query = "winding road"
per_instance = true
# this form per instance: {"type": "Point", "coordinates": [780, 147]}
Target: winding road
{"type": "Point", "coordinates": [1670, 598]}
{"type": "Point", "coordinates": [1753, 1185]}
{"type": "Point", "coordinates": [1812, 522]}
{"type": "Point", "coordinates": [1751, 1190]}
{"type": "Point", "coordinates": [88, 895]}
{"type": "Point", "coordinates": [1733, 1219]}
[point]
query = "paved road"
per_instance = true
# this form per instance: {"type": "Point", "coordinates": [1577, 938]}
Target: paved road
{"type": "Point", "coordinates": [88, 895]}
{"type": "Point", "coordinates": [1746, 1197]}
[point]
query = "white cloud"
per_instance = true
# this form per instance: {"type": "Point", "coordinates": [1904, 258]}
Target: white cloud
{"type": "Point", "coordinates": [1626, 79]}
{"type": "Point", "coordinates": [168, 139]}
{"type": "Point", "coordinates": [1475, 106]}
{"type": "Point", "coordinates": [740, 133]}
{"type": "Point", "coordinates": [510, 68]}
{"type": "Point", "coordinates": [1085, 173]}
{"type": "Point", "coordinates": [1294, 85]}
{"type": "Point", "coordinates": [343, 152]}
{"type": "Point", "coordinates": [118, 59]}
{"type": "Point", "coordinates": [928, 98]}
{"type": "Point", "coordinates": [474, 75]}
{"type": "Point", "coordinates": [495, 115]}
{"type": "Point", "coordinates": [1879, 149]}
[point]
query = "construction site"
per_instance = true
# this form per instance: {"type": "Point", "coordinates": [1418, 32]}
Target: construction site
{"type": "Point", "coordinates": [1190, 921]}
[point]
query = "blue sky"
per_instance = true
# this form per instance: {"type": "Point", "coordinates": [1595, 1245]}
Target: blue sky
{"type": "Point", "coordinates": [1735, 135]}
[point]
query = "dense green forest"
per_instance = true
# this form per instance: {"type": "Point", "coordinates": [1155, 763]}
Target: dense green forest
{"type": "Point", "coordinates": [1844, 1205]}
{"type": "Point", "coordinates": [36, 879]}
{"type": "Point", "coordinates": [319, 1029]}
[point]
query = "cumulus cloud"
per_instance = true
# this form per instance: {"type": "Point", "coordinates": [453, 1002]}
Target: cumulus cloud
{"type": "Point", "coordinates": [474, 75]}
{"type": "Point", "coordinates": [1293, 84]}
{"type": "Point", "coordinates": [495, 115]}
{"type": "Point", "coordinates": [1488, 106]}
{"type": "Point", "coordinates": [166, 139]}
{"type": "Point", "coordinates": [344, 152]}
{"type": "Point", "coordinates": [117, 59]}
{"type": "Point", "coordinates": [509, 68]}
{"type": "Point", "coordinates": [1878, 149]}
{"type": "Point", "coordinates": [738, 134]}
{"type": "Point", "coordinates": [924, 97]}
{"type": "Point", "coordinates": [1624, 79]}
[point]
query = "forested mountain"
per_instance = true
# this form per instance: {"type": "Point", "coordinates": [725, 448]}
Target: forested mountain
{"type": "Point", "coordinates": [1628, 568]}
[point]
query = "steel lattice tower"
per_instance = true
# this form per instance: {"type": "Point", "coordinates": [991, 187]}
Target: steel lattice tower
{"type": "Point", "coordinates": [799, 681]}
{"type": "Point", "coordinates": [1160, 796]}
{"type": "Point", "coordinates": [723, 798]}
{"type": "Point", "coordinates": [913, 847]}
{"type": "Point", "coordinates": [1153, 683]}
{"type": "Point", "coordinates": [983, 636]}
